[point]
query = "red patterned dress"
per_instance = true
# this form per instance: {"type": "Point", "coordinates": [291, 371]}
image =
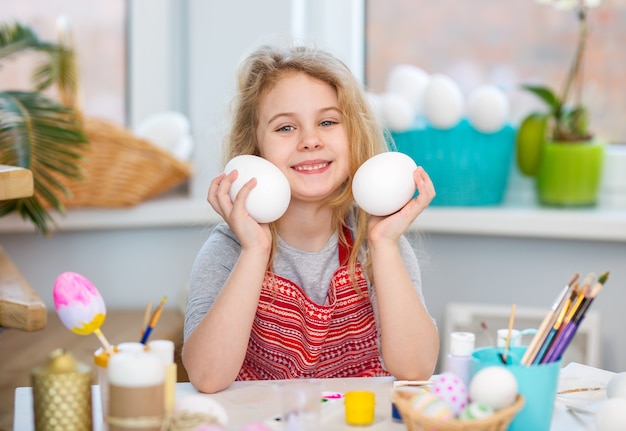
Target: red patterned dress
{"type": "Point", "coordinates": [293, 337]}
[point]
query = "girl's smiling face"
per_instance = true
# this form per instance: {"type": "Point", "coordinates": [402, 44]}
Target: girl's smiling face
{"type": "Point", "coordinates": [301, 131]}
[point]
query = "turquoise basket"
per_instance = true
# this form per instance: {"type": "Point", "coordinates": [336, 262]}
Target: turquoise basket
{"type": "Point", "coordinates": [468, 167]}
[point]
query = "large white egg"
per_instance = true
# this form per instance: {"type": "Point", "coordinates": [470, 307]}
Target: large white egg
{"type": "Point", "coordinates": [384, 183]}
{"type": "Point", "coordinates": [611, 415]}
{"type": "Point", "coordinates": [443, 102]}
{"type": "Point", "coordinates": [409, 82]}
{"type": "Point", "coordinates": [494, 386]}
{"type": "Point", "coordinates": [270, 198]}
{"type": "Point", "coordinates": [488, 109]}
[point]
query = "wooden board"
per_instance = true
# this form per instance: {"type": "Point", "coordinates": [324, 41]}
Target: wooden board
{"type": "Point", "coordinates": [15, 182]}
{"type": "Point", "coordinates": [20, 306]}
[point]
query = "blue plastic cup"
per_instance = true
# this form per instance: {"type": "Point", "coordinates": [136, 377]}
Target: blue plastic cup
{"type": "Point", "coordinates": [537, 383]}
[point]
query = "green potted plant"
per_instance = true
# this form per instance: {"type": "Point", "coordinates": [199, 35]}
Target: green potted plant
{"type": "Point", "coordinates": [38, 132]}
{"type": "Point", "coordinates": [556, 146]}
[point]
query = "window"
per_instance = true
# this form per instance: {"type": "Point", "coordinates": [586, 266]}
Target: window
{"type": "Point", "coordinates": [503, 43]}
{"type": "Point", "coordinates": [182, 56]}
{"type": "Point", "coordinates": [99, 31]}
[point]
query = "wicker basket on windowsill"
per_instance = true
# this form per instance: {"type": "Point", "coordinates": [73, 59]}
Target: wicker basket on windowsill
{"type": "Point", "coordinates": [121, 169]}
{"type": "Point", "coordinates": [416, 421]}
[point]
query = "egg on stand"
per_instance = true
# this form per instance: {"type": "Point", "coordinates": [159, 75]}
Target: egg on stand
{"type": "Point", "coordinates": [80, 306]}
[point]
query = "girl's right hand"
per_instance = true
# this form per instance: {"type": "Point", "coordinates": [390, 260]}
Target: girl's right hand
{"type": "Point", "coordinates": [251, 234]}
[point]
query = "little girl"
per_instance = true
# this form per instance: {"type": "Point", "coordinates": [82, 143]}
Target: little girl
{"type": "Point", "coordinates": [326, 290]}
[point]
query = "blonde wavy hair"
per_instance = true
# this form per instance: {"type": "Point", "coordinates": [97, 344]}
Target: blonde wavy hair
{"type": "Point", "coordinates": [258, 74]}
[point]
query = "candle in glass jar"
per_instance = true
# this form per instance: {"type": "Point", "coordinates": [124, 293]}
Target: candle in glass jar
{"type": "Point", "coordinates": [136, 385]}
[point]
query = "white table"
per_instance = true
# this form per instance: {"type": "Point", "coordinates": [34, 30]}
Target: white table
{"type": "Point", "coordinates": [248, 402]}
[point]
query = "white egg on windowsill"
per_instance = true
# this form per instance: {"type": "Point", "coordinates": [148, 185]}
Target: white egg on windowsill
{"type": "Point", "coordinates": [269, 199]}
{"type": "Point", "coordinates": [384, 183]}
{"type": "Point", "coordinates": [409, 82]}
{"type": "Point", "coordinates": [488, 109]}
{"type": "Point", "coordinates": [397, 113]}
{"type": "Point", "coordinates": [443, 103]}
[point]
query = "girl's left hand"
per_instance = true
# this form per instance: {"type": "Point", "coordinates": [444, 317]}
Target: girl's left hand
{"type": "Point", "coordinates": [393, 226]}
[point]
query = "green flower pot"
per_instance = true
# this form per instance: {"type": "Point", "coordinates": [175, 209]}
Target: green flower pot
{"type": "Point", "coordinates": [570, 173]}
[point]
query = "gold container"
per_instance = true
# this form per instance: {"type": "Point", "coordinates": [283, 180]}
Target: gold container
{"type": "Point", "coordinates": [62, 394]}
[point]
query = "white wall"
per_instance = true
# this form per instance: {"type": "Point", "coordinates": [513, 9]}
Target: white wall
{"type": "Point", "coordinates": [129, 267]}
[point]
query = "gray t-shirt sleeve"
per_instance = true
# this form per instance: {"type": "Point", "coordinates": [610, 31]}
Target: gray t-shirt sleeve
{"type": "Point", "coordinates": [209, 272]}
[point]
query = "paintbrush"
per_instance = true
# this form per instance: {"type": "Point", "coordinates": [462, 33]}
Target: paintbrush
{"type": "Point", "coordinates": [565, 317]}
{"type": "Point", "coordinates": [592, 295]}
{"type": "Point", "coordinates": [146, 317]}
{"type": "Point", "coordinates": [556, 324]}
{"type": "Point", "coordinates": [492, 340]}
{"type": "Point", "coordinates": [547, 323]}
{"type": "Point", "coordinates": [508, 336]}
{"type": "Point", "coordinates": [569, 331]}
{"type": "Point", "coordinates": [153, 320]}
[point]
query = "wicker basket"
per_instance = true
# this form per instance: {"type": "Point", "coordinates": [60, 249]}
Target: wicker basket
{"type": "Point", "coordinates": [121, 169]}
{"type": "Point", "coordinates": [416, 421]}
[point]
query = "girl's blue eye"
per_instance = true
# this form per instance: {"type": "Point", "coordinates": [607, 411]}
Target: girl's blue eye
{"type": "Point", "coordinates": [327, 123]}
{"type": "Point", "coordinates": [285, 129]}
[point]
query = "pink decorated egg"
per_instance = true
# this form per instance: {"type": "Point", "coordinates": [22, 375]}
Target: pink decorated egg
{"type": "Point", "coordinates": [451, 390]}
{"type": "Point", "coordinates": [78, 303]}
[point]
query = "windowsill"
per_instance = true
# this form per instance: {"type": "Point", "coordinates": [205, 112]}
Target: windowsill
{"type": "Point", "coordinates": [602, 223]}
{"type": "Point", "coordinates": [594, 224]}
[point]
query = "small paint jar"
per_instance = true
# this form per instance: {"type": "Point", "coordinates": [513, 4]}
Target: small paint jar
{"type": "Point", "coordinates": [359, 407]}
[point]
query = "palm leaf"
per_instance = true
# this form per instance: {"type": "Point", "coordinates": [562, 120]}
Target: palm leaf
{"type": "Point", "coordinates": [61, 70]}
{"type": "Point", "coordinates": [58, 68]}
{"type": "Point", "coordinates": [46, 137]}
{"type": "Point", "coordinates": [15, 38]}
